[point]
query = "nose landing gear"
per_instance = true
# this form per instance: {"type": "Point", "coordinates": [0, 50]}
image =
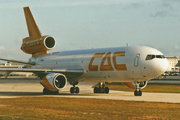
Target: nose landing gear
{"type": "Point", "coordinates": [101, 88]}
{"type": "Point", "coordinates": [137, 92]}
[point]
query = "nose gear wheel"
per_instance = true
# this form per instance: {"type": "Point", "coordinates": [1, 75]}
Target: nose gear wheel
{"type": "Point", "coordinates": [137, 92]}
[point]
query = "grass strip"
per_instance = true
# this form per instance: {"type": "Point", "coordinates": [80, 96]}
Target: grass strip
{"type": "Point", "coordinates": [80, 108]}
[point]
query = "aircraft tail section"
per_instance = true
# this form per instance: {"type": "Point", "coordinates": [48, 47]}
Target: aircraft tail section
{"type": "Point", "coordinates": [31, 24]}
{"type": "Point", "coordinates": [35, 44]}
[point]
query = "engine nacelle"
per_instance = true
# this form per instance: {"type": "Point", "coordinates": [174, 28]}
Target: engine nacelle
{"type": "Point", "coordinates": [132, 85]}
{"type": "Point", "coordinates": [38, 46]}
{"type": "Point", "coordinates": [54, 81]}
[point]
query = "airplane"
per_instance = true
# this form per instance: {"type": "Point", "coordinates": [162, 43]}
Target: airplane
{"type": "Point", "coordinates": [131, 65]}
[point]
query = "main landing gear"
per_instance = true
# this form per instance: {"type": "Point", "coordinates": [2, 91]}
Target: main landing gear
{"type": "Point", "coordinates": [74, 89]}
{"type": "Point", "coordinates": [137, 92]}
{"type": "Point", "coordinates": [49, 92]}
{"type": "Point", "coordinates": [101, 88]}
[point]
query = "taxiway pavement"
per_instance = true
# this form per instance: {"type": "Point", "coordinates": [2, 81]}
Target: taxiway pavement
{"type": "Point", "coordinates": [32, 88]}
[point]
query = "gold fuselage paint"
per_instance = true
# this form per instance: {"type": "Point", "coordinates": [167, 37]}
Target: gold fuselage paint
{"type": "Point", "coordinates": [107, 67]}
{"type": "Point", "coordinates": [119, 67]}
{"type": "Point", "coordinates": [94, 67]}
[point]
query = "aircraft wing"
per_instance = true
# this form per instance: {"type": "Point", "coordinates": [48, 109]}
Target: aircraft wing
{"type": "Point", "coordinates": [71, 74]}
{"type": "Point", "coordinates": [16, 61]}
{"type": "Point", "coordinates": [81, 71]}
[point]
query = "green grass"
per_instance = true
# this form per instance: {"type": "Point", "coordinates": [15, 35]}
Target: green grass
{"type": "Point", "coordinates": [76, 108]}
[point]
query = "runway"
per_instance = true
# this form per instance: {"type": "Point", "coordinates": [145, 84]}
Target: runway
{"type": "Point", "coordinates": [32, 88]}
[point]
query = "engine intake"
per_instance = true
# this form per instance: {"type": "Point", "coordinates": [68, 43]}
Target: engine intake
{"type": "Point", "coordinates": [49, 42]}
{"type": "Point", "coordinates": [54, 81]}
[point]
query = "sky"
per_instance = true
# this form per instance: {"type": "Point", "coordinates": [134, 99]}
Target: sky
{"type": "Point", "coordinates": [87, 24]}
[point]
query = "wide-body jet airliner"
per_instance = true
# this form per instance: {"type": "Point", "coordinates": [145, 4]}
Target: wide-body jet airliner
{"type": "Point", "coordinates": [133, 66]}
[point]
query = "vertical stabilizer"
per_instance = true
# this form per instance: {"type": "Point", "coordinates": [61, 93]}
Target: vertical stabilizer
{"type": "Point", "coordinates": [31, 24]}
{"type": "Point", "coordinates": [35, 44]}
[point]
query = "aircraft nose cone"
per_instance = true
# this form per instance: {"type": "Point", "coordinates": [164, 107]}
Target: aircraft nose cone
{"type": "Point", "coordinates": [154, 68]}
{"type": "Point", "coordinates": [162, 66]}
{"type": "Point", "coordinates": [165, 64]}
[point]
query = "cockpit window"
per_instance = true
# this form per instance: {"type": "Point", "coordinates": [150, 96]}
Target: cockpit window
{"type": "Point", "coordinates": [153, 56]}
{"type": "Point", "coordinates": [158, 56]}
{"type": "Point", "coordinates": [150, 57]}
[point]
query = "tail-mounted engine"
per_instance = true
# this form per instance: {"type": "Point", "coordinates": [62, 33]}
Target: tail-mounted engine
{"type": "Point", "coordinates": [38, 46]}
{"type": "Point", "coordinates": [132, 85]}
{"type": "Point", "coordinates": [54, 81]}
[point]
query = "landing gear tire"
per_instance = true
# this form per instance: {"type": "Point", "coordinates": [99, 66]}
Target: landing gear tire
{"type": "Point", "coordinates": [96, 90]}
{"type": "Point", "coordinates": [101, 88]}
{"type": "Point", "coordinates": [74, 90]}
{"type": "Point", "coordinates": [49, 92]}
{"type": "Point", "coordinates": [137, 93]}
{"type": "Point", "coordinates": [106, 90]}
{"type": "Point", "coordinates": [77, 90]}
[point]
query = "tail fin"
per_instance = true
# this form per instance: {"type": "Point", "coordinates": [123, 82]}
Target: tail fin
{"type": "Point", "coordinates": [31, 24]}
{"type": "Point", "coordinates": [35, 44]}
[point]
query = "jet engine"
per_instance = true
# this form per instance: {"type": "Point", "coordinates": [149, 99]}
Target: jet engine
{"type": "Point", "coordinates": [132, 85]}
{"type": "Point", "coordinates": [54, 81]}
{"type": "Point", "coordinates": [38, 46]}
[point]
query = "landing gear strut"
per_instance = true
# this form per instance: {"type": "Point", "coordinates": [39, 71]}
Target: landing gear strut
{"type": "Point", "coordinates": [49, 92]}
{"type": "Point", "coordinates": [101, 88]}
{"type": "Point", "coordinates": [137, 92]}
{"type": "Point", "coordinates": [74, 89]}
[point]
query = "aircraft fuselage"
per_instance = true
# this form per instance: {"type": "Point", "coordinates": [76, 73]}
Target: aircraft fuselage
{"type": "Point", "coordinates": [120, 64]}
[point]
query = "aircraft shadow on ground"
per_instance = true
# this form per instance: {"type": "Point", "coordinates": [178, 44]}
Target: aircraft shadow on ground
{"type": "Point", "coordinates": [41, 94]}
{"type": "Point", "coordinates": [20, 93]}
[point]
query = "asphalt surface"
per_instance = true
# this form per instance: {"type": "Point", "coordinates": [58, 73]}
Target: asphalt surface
{"type": "Point", "coordinates": [13, 88]}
